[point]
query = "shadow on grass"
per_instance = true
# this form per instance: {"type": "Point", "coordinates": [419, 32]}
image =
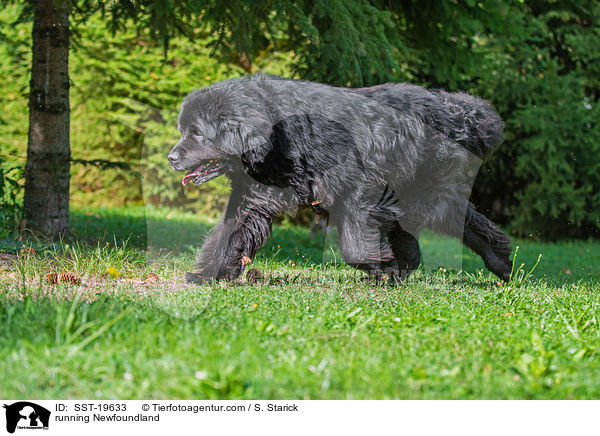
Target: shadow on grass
{"type": "Point", "coordinates": [178, 232]}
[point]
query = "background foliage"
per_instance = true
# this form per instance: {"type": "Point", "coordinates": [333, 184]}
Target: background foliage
{"type": "Point", "coordinates": [537, 61]}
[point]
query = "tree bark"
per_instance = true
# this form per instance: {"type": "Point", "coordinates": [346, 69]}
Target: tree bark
{"type": "Point", "coordinates": [47, 173]}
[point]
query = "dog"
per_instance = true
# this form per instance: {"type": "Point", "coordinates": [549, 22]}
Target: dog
{"type": "Point", "coordinates": [382, 163]}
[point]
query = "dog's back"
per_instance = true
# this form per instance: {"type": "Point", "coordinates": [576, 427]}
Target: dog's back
{"type": "Point", "coordinates": [470, 121]}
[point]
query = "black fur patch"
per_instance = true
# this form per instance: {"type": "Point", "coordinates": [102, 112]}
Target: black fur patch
{"type": "Point", "coordinates": [301, 149]}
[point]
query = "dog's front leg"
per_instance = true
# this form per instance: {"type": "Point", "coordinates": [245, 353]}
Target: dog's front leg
{"type": "Point", "coordinates": [244, 228]}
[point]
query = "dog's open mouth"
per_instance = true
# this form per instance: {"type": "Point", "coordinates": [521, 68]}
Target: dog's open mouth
{"type": "Point", "coordinates": [205, 172]}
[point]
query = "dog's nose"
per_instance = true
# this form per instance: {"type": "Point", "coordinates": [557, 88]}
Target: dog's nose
{"type": "Point", "coordinates": [173, 157]}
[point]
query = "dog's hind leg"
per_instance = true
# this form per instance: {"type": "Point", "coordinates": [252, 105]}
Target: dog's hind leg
{"type": "Point", "coordinates": [404, 246]}
{"type": "Point", "coordinates": [485, 238]}
{"type": "Point", "coordinates": [406, 250]}
{"type": "Point", "coordinates": [364, 247]}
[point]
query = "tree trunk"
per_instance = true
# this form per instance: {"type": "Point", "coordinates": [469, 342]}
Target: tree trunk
{"type": "Point", "coordinates": [48, 150]}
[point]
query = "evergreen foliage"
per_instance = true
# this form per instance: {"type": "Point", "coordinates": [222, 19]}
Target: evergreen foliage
{"type": "Point", "coordinates": [546, 177]}
{"type": "Point", "coordinates": [538, 62]}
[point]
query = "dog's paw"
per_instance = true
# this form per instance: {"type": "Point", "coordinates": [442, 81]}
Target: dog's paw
{"type": "Point", "coordinates": [197, 278]}
{"type": "Point", "coordinates": [505, 276]}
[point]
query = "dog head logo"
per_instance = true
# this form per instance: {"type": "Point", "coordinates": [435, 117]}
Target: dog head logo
{"type": "Point", "coordinates": [26, 415]}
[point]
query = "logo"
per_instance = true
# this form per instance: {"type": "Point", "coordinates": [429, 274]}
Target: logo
{"type": "Point", "coordinates": [26, 415]}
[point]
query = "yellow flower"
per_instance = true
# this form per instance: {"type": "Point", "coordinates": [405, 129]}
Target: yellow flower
{"type": "Point", "coordinates": [255, 305]}
{"type": "Point", "coordinates": [113, 271]}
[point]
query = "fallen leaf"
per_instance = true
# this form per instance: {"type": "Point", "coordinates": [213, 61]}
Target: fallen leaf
{"type": "Point", "coordinates": [27, 251]}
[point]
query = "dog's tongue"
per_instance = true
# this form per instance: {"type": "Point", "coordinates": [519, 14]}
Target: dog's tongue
{"type": "Point", "coordinates": [189, 176]}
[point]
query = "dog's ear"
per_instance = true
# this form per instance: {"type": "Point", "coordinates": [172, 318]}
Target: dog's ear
{"type": "Point", "coordinates": [256, 150]}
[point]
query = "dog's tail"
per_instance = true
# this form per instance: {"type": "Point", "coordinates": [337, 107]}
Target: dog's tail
{"type": "Point", "coordinates": [470, 121]}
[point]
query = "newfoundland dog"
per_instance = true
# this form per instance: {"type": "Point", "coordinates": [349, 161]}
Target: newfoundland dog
{"type": "Point", "coordinates": [382, 163]}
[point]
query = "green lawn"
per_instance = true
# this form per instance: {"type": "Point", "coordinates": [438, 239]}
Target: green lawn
{"type": "Point", "coordinates": [312, 329]}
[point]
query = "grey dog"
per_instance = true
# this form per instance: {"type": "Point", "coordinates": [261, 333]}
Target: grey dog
{"type": "Point", "coordinates": [382, 163]}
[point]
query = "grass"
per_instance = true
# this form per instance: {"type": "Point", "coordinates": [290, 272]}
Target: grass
{"type": "Point", "coordinates": [312, 329]}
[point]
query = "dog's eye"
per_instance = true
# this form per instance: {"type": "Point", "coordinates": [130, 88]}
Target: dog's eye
{"type": "Point", "coordinates": [196, 134]}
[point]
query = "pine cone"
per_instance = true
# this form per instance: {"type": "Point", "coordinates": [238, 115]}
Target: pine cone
{"type": "Point", "coordinates": [54, 278]}
{"type": "Point", "coordinates": [254, 276]}
{"type": "Point", "coordinates": [69, 278]}
{"type": "Point", "coordinates": [151, 277]}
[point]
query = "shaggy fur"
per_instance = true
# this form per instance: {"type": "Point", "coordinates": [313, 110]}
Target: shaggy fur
{"type": "Point", "coordinates": [382, 162]}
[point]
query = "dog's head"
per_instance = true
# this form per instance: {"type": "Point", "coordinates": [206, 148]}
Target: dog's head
{"type": "Point", "coordinates": [216, 130]}
{"type": "Point", "coordinates": [198, 151]}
